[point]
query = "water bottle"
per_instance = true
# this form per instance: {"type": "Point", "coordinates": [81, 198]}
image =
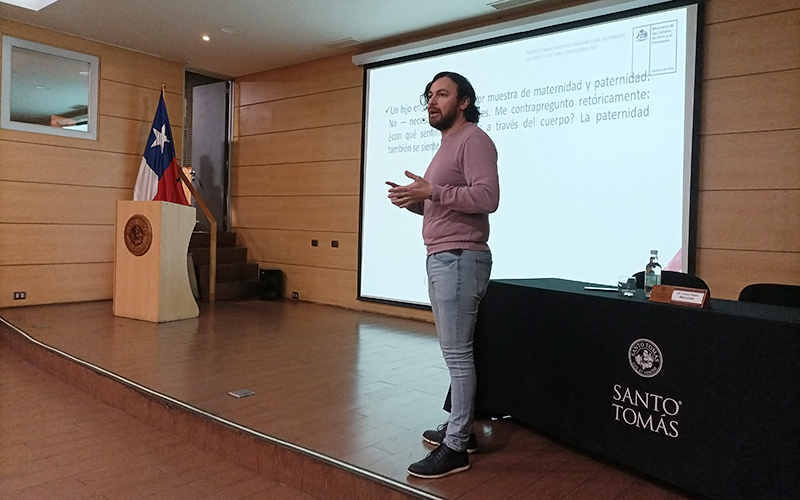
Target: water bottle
{"type": "Point", "coordinates": [652, 273]}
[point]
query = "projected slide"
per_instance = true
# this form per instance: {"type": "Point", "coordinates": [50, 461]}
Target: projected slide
{"type": "Point", "coordinates": [593, 128]}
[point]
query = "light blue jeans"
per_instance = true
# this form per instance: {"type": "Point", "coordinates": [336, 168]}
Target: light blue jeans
{"type": "Point", "coordinates": [457, 282]}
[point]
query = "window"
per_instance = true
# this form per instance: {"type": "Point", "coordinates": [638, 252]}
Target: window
{"type": "Point", "coordinates": [48, 90]}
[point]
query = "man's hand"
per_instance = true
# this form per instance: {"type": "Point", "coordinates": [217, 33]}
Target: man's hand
{"type": "Point", "coordinates": [403, 196]}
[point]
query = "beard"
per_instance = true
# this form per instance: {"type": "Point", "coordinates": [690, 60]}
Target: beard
{"type": "Point", "coordinates": [443, 121]}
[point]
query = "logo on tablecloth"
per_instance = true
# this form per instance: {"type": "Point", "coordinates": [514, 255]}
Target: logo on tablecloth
{"type": "Point", "coordinates": [645, 358]}
{"type": "Point", "coordinates": [646, 410]}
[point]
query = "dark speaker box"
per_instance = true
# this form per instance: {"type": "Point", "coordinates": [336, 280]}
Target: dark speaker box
{"type": "Point", "coordinates": [270, 284]}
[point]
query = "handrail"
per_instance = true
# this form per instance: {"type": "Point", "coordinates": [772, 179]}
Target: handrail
{"type": "Point", "coordinates": [212, 246]}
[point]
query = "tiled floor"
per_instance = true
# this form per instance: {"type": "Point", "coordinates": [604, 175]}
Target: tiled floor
{"type": "Point", "coordinates": [58, 442]}
{"type": "Point", "coordinates": [356, 387]}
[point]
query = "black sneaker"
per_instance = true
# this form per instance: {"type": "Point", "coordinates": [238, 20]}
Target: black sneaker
{"type": "Point", "coordinates": [440, 462]}
{"type": "Point", "coordinates": [436, 437]}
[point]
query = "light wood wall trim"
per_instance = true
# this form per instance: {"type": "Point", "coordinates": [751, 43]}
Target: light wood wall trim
{"type": "Point", "coordinates": [23, 162]}
{"type": "Point", "coordinates": [718, 11]}
{"type": "Point", "coordinates": [324, 178]}
{"type": "Point", "coordinates": [750, 160]}
{"type": "Point", "coordinates": [768, 101]}
{"type": "Point", "coordinates": [310, 213]}
{"type": "Point", "coordinates": [335, 287]}
{"type": "Point", "coordinates": [340, 142]}
{"type": "Point", "coordinates": [26, 202]}
{"type": "Point", "coordinates": [50, 284]}
{"type": "Point", "coordinates": [728, 271]}
{"type": "Point", "coordinates": [329, 108]}
{"type": "Point", "coordinates": [764, 220]}
{"type": "Point", "coordinates": [753, 45]}
{"type": "Point", "coordinates": [323, 75]}
{"type": "Point", "coordinates": [294, 247]}
{"type": "Point", "coordinates": [27, 244]}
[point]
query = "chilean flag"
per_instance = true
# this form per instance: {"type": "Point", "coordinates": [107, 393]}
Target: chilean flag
{"type": "Point", "coordinates": [158, 178]}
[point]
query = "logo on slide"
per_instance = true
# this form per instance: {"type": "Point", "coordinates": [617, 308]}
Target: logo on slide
{"type": "Point", "coordinates": [645, 358]}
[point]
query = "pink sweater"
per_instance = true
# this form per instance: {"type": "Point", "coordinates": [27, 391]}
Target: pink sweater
{"type": "Point", "coordinates": [465, 191]}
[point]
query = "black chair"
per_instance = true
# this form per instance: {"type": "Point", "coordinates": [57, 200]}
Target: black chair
{"type": "Point", "coordinates": [674, 278]}
{"type": "Point", "coordinates": [771, 293]}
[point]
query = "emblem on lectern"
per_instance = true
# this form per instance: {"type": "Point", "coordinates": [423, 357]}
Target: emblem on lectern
{"type": "Point", "coordinates": [138, 235]}
{"type": "Point", "coordinates": [645, 358]}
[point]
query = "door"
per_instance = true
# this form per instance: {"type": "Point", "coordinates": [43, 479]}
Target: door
{"type": "Point", "coordinates": [209, 151]}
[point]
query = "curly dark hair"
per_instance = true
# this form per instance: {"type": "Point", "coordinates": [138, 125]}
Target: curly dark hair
{"type": "Point", "coordinates": [472, 113]}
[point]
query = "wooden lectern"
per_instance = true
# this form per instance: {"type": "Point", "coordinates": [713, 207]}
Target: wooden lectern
{"type": "Point", "coordinates": [151, 279]}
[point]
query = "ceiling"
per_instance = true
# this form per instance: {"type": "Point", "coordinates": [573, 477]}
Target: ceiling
{"type": "Point", "coordinates": [249, 36]}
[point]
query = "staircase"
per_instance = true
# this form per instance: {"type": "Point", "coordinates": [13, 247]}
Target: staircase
{"type": "Point", "coordinates": [237, 279]}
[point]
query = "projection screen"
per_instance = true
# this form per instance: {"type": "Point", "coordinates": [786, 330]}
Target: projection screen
{"type": "Point", "coordinates": [594, 123]}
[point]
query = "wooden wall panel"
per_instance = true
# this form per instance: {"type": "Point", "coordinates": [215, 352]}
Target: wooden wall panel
{"type": "Point", "coordinates": [58, 194]}
{"type": "Point", "coordinates": [726, 10]}
{"type": "Point", "coordinates": [749, 181]}
{"type": "Point", "coordinates": [340, 142]}
{"type": "Point", "coordinates": [307, 213]}
{"type": "Point", "coordinates": [22, 244]}
{"type": "Point", "coordinates": [769, 101]}
{"type": "Point", "coordinates": [302, 79]}
{"type": "Point", "coordinates": [33, 203]}
{"type": "Point", "coordinates": [755, 160]}
{"type": "Point", "coordinates": [55, 283]}
{"type": "Point", "coordinates": [323, 178]}
{"type": "Point", "coordinates": [23, 162]}
{"type": "Point", "coordinates": [123, 100]}
{"type": "Point", "coordinates": [764, 220]}
{"type": "Point", "coordinates": [329, 108]}
{"type": "Point", "coordinates": [142, 70]}
{"type": "Point", "coordinates": [728, 271]}
{"type": "Point", "coordinates": [749, 178]}
{"type": "Point", "coordinates": [754, 45]}
{"type": "Point", "coordinates": [48, 37]}
{"type": "Point", "coordinates": [119, 135]}
{"type": "Point", "coordinates": [294, 247]}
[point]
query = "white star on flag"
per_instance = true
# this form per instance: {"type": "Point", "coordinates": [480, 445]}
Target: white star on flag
{"type": "Point", "coordinates": [161, 138]}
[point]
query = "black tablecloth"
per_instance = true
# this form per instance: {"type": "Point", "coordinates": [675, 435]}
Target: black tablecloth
{"type": "Point", "coordinates": [720, 418]}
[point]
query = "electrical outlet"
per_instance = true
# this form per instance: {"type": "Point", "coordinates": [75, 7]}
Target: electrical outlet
{"type": "Point", "coordinates": [20, 295]}
{"type": "Point", "coordinates": [295, 295]}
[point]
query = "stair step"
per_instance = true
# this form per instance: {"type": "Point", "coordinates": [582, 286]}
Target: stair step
{"type": "Point", "coordinates": [234, 290]}
{"type": "Point", "coordinates": [225, 255]}
{"type": "Point", "coordinates": [240, 271]}
{"type": "Point", "coordinates": [201, 239]}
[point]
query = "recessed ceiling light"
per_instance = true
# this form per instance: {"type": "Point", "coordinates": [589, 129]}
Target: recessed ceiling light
{"type": "Point", "coordinates": [41, 87]}
{"type": "Point", "coordinates": [83, 73]}
{"type": "Point", "coordinates": [230, 30]}
{"type": "Point", "coordinates": [206, 38]}
{"type": "Point", "coordinates": [30, 4]}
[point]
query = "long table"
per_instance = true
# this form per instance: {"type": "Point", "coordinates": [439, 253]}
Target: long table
{"type": "Point", "coordinates": [705, 399]}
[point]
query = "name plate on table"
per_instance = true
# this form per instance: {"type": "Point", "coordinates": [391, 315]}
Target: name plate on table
{"type": "Point", "coordinates": [683, 296]}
